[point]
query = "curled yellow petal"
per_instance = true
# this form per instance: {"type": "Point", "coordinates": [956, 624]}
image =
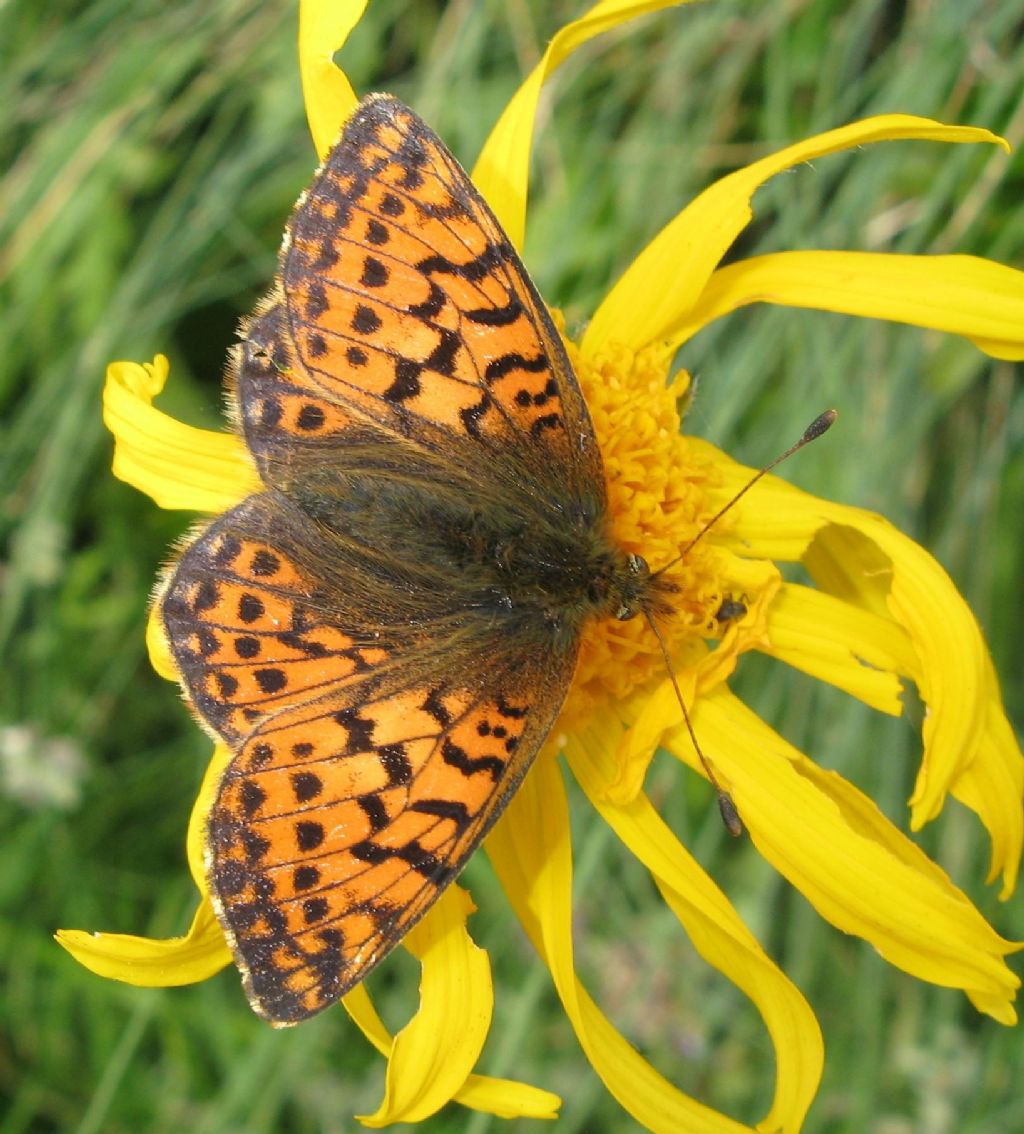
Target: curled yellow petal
{"type": "Point", "coordinates": [963, 295]}
{"type": "Point", "coordinates": [150, 962]}
{"type": "Point", "coordinates": [178, 465]}
{"type": "Point", "coordinates": [324, 26]}
{"type": "Point", "coordinates": [993, 786]}
{"type": "Point", "coordinates": [713, 925]}
{"type": "Point", "coordinates": [658, 291]}
{"type": "Point", "coordinates": [195, 839]}
{"type": "Point", "coordinates": [502, 170]}
{"type": "Point", "coordinates": [158, 648]}
{"type": "Point", "coordinates": [863, 560]}
{"type": "Point", "coordinates": [840, 643]}
{"type": "Point", "coordinates": [530, 850]}
{"type": "Point", "coordinates": [951, 653]}
{"type": "Point", "coordinates": [434, 1054]}
{"type": "Point", "coordinates": [503, 1097]}
{"type": "Point", "coordinates": [855, 868]}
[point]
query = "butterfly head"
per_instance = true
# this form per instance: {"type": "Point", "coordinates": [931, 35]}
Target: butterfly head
{"type": "Point", "coordinates": [634, 583]}
{"type": "Point", "coordinates": [635, 589]}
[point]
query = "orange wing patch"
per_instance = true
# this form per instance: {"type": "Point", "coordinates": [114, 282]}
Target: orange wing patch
{"type": "Point", "coordinates": [244, 626]}
{"type": "Point", "coordinates": [339, 824]}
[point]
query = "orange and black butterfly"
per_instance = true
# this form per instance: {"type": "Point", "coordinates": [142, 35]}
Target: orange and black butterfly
{"type": "Point", "coordinates": [385, 633]}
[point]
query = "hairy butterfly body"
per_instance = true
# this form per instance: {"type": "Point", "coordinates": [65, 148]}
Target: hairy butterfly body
{"type": "Point", "coordinates": [385, 633]}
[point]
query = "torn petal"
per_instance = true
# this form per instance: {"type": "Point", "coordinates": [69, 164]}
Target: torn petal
{"type": "Point", "coordinates": [992, 786]}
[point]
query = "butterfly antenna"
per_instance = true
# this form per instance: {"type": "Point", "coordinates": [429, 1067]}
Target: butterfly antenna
{"type": "Point", "coordinates": [730, 816]}
{"type": "Point", "coordinates": [821, 424]}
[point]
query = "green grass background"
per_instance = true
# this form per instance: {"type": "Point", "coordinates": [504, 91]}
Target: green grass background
{"type": "Point", "coordinates": [151, 153]}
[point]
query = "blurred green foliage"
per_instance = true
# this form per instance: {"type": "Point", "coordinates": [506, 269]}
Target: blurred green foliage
{"type": "Point", "coordinates": [151, 154]}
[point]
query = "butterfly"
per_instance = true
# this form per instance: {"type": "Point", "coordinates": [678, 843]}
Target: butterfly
{"type": "Point", "coordinates": [384, 634]}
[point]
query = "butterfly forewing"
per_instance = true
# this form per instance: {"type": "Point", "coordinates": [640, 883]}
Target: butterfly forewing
{"type": "Point", "coordinates": [378, 635]}
{"type": "Point", "coordinates": [404, 303]}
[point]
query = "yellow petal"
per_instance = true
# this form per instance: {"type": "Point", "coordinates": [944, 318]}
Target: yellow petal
{"type": "Point", "coordinates": [774, 520]}
{"type": "Point", "coordinates": [840, 643]}
{"type": "Point", "coordinates": [152, 962]}
{"type": "Point", "coordinates": [503, 1097]}
{"type": "Point", "coordinates": [712, 924]}
{"type": "Point", "coordinates": [195, 839]}
{"type": "Point", "coordinates": [659, 290]}
{"type": "Point", "coordinates": [950, 665]}
{"type": "Point", "coordinates": [964, 295]}
{"type": "Point", "coordinates": [993, 786]}
{"type": "Point", "coordinates": [530, 850]}
{"type": "Point", "coordinates": [507, 1099]}
{"type": "Point", "coordinates": [359, 1006]}
{"type": "Point", "coordinates": [502, 170]}
{"type": "Point", "coordinates": [855, 868]}
{"type": "Point", "coordinates": [324, 26]}
{"type": "Point", "coordinates": [158, 648]}
{"type": "Point", "coordinates": [863, 560]}
{"type": "Point", "coordinates": [178, 465]}
{"type": "Point", "coordinates": [434, 1054]}
{"type": "Point", "coordinates": [638, 744]}
{"type": "Point", "coordinates": [149, 962]}
{"type": "Point", "coordinates": [951, 652]}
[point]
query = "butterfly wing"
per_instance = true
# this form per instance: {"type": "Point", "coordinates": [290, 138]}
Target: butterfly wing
{"type": "Point", "coordinates": [402, 303]}
{"type": "Point", "coordinates": [367, 766]}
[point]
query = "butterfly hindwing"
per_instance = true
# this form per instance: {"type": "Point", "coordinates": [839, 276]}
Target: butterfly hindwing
{"type": "Point", "coordinates": [245, 620]}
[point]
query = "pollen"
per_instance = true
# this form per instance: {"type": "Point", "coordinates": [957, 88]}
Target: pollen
{"type": "Point", "coordinates": [657, 504]}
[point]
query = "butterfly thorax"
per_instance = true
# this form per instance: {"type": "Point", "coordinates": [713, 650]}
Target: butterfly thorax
{"type": "Point", "coordinates": [459, 557]}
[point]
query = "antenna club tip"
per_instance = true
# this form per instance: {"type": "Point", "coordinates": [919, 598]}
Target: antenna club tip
{"type": "Point", "coordinates": [821, 424]}
{"type": "Point", "coordinates": [730, 816]}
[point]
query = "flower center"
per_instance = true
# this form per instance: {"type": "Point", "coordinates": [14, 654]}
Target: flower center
{"type": "Point", "coordinates": [657, 504]}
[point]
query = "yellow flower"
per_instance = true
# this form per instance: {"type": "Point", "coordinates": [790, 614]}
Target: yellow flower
{"type": "Point", "coordinates": [881, 612]}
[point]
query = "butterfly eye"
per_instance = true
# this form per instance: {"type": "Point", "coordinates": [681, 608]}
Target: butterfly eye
{"type": "Point", "coordinates": [626, 612]}
{"type": "Point", "coordinates": [637, 565]}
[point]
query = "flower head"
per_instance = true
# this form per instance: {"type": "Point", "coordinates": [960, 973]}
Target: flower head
{"type": "Point", "coordinates": [878, 614]}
